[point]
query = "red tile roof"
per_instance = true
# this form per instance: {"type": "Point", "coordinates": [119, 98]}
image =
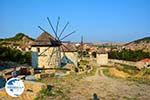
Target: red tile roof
{"type": "Point", "coordinates": [145, 60]}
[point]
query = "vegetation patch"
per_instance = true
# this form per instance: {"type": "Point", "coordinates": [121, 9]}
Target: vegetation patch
{"type": "Point", "coordinates": [142, 80]}
{"type": "Point", "coordinates": [118, 73]}
{"type": "Point", "coordinates": [130, 74]}
{"type": "Point", "coordinates": [16, 38]}
{"type": "Point", "coordinates": [9, 54]}
{"type": "Point", "coordinates": [132, 70]}
{"type": "Point", "coordinates": [107, 66]}
{"type": "Point", "coordinates": [146, 72]}
{"type": "Point", "coordinates": [129, 55]}
{"type": "Point", "coordinates": [60, 87]}
{"type": "Point", "coordinates": [83, 62]}
{"type": "Point", "coordinates": [106, 72]}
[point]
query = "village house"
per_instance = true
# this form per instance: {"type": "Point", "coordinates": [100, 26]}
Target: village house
{"type": "Point", "coordinates": [144, 63]}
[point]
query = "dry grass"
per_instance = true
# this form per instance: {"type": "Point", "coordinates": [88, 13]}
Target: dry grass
{"type": "Point", "coordinates": [60, 87]}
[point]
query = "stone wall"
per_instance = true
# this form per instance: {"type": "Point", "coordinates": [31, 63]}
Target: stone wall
{"type": "Point", "coordinates": [138, 64]}
{"type": "Point", "coordinates": [130, 63]}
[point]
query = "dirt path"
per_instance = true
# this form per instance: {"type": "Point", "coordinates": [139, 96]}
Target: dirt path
{"type": "Point", "coordinates": [107, 88]}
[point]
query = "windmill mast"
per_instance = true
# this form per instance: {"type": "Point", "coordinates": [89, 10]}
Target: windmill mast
{"type": "Point", "coordinates": [81, 47]}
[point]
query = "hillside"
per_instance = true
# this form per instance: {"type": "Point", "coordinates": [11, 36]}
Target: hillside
{"type": "Point", "coordinates": [140, 44]}
{"type": "Point", "coordinates": [18, 40]}
{"type": "Point", "coordinates": [143, 40]}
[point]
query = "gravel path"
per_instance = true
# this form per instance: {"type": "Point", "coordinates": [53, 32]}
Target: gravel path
{"type": "Point", "coordinates": [106, 88]}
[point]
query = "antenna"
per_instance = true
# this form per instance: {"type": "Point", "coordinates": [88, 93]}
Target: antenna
{"type": "Point", "coordinates": [81, 45]}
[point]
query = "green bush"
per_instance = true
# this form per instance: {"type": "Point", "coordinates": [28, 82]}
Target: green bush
{"type": "Point", "coordinates": [128, 55]}
{"type": "Point", "coordinates": [128, 69]}
{"type": "Point", "coordinates": [106, 72]}
{"type": "Point", "coordinates": [14, 55]}
{"type": "Point", "coordinates": [147, 72]}
{"type": "Point", "coordinates": [83, 62]}
{"type": "Point", "coordinates": [47, 91]}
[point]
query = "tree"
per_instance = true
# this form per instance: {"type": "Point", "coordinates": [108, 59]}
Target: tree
{"type": "Point", "coordinates": [8, 54]}
{"type": "Point", "coordinates": [129, 55]}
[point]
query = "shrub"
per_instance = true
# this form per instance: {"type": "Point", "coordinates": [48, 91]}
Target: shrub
{"type": "Point", "coordinates": [129, 55]}
{"type": "Point", "coordinates": [9, 54]}
{"type": "Point", "coordinates": [147, 72]}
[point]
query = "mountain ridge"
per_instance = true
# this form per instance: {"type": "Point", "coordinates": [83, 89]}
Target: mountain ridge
{"type": "Point", "coordinates": [19, 39]}
{"type": "Point", "coordinates": [16, 37]}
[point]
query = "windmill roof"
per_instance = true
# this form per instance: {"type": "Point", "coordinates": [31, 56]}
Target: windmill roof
{"type": "Point", "coordinates": [45, 39]}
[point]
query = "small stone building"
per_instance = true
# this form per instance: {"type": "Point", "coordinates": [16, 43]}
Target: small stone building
{"type": "Point", "coordinates": [144, 63]}
{"type": "Point", "coordinates": [102, 57]}
{"type": "Point", "coordinates": [43, 49]}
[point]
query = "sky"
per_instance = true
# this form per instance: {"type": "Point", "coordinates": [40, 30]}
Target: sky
{"type": "Point", "coordinates": [95, 20]}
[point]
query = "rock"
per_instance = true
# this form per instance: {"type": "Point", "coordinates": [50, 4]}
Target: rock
{"type": "Point", "coordinates": [30, 78]}
{"type": "Point", "coordinates": [37, 76]}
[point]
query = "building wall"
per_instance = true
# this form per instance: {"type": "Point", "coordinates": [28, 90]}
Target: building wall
{"type": "Point", "coordinates": [141, 64]}
{"type": "Point", "coordinates": [73, 56]}
{"type": "Point", "coordinates": [46, 60]}
{"type": "Point", "coordinates": [102, 59]}
{"type": "Point", "coordinates": [43, 59]}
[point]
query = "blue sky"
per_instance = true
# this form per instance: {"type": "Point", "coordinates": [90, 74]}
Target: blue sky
{"type": "Point", "coordinates": [96, 20]}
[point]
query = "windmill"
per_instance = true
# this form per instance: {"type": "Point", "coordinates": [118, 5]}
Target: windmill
{"type": "Point", "coordinates": [57, 44]}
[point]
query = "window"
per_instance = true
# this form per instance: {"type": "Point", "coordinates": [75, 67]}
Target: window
{"type": "Point", "coordinates": [29, 49]}
{"type": "Point", "coordinates": [38, 49]}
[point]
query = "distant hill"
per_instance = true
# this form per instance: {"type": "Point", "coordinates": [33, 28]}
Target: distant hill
{"type": "Point", "coordinates": [18, 40]}
{"type": "Point", "coordinates": [140, 44]}
{"type": "Point", "coordinates": [142, 40]}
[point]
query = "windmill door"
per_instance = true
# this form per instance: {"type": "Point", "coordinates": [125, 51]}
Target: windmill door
{"type": "Point", "coordinates": [35, 59]}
